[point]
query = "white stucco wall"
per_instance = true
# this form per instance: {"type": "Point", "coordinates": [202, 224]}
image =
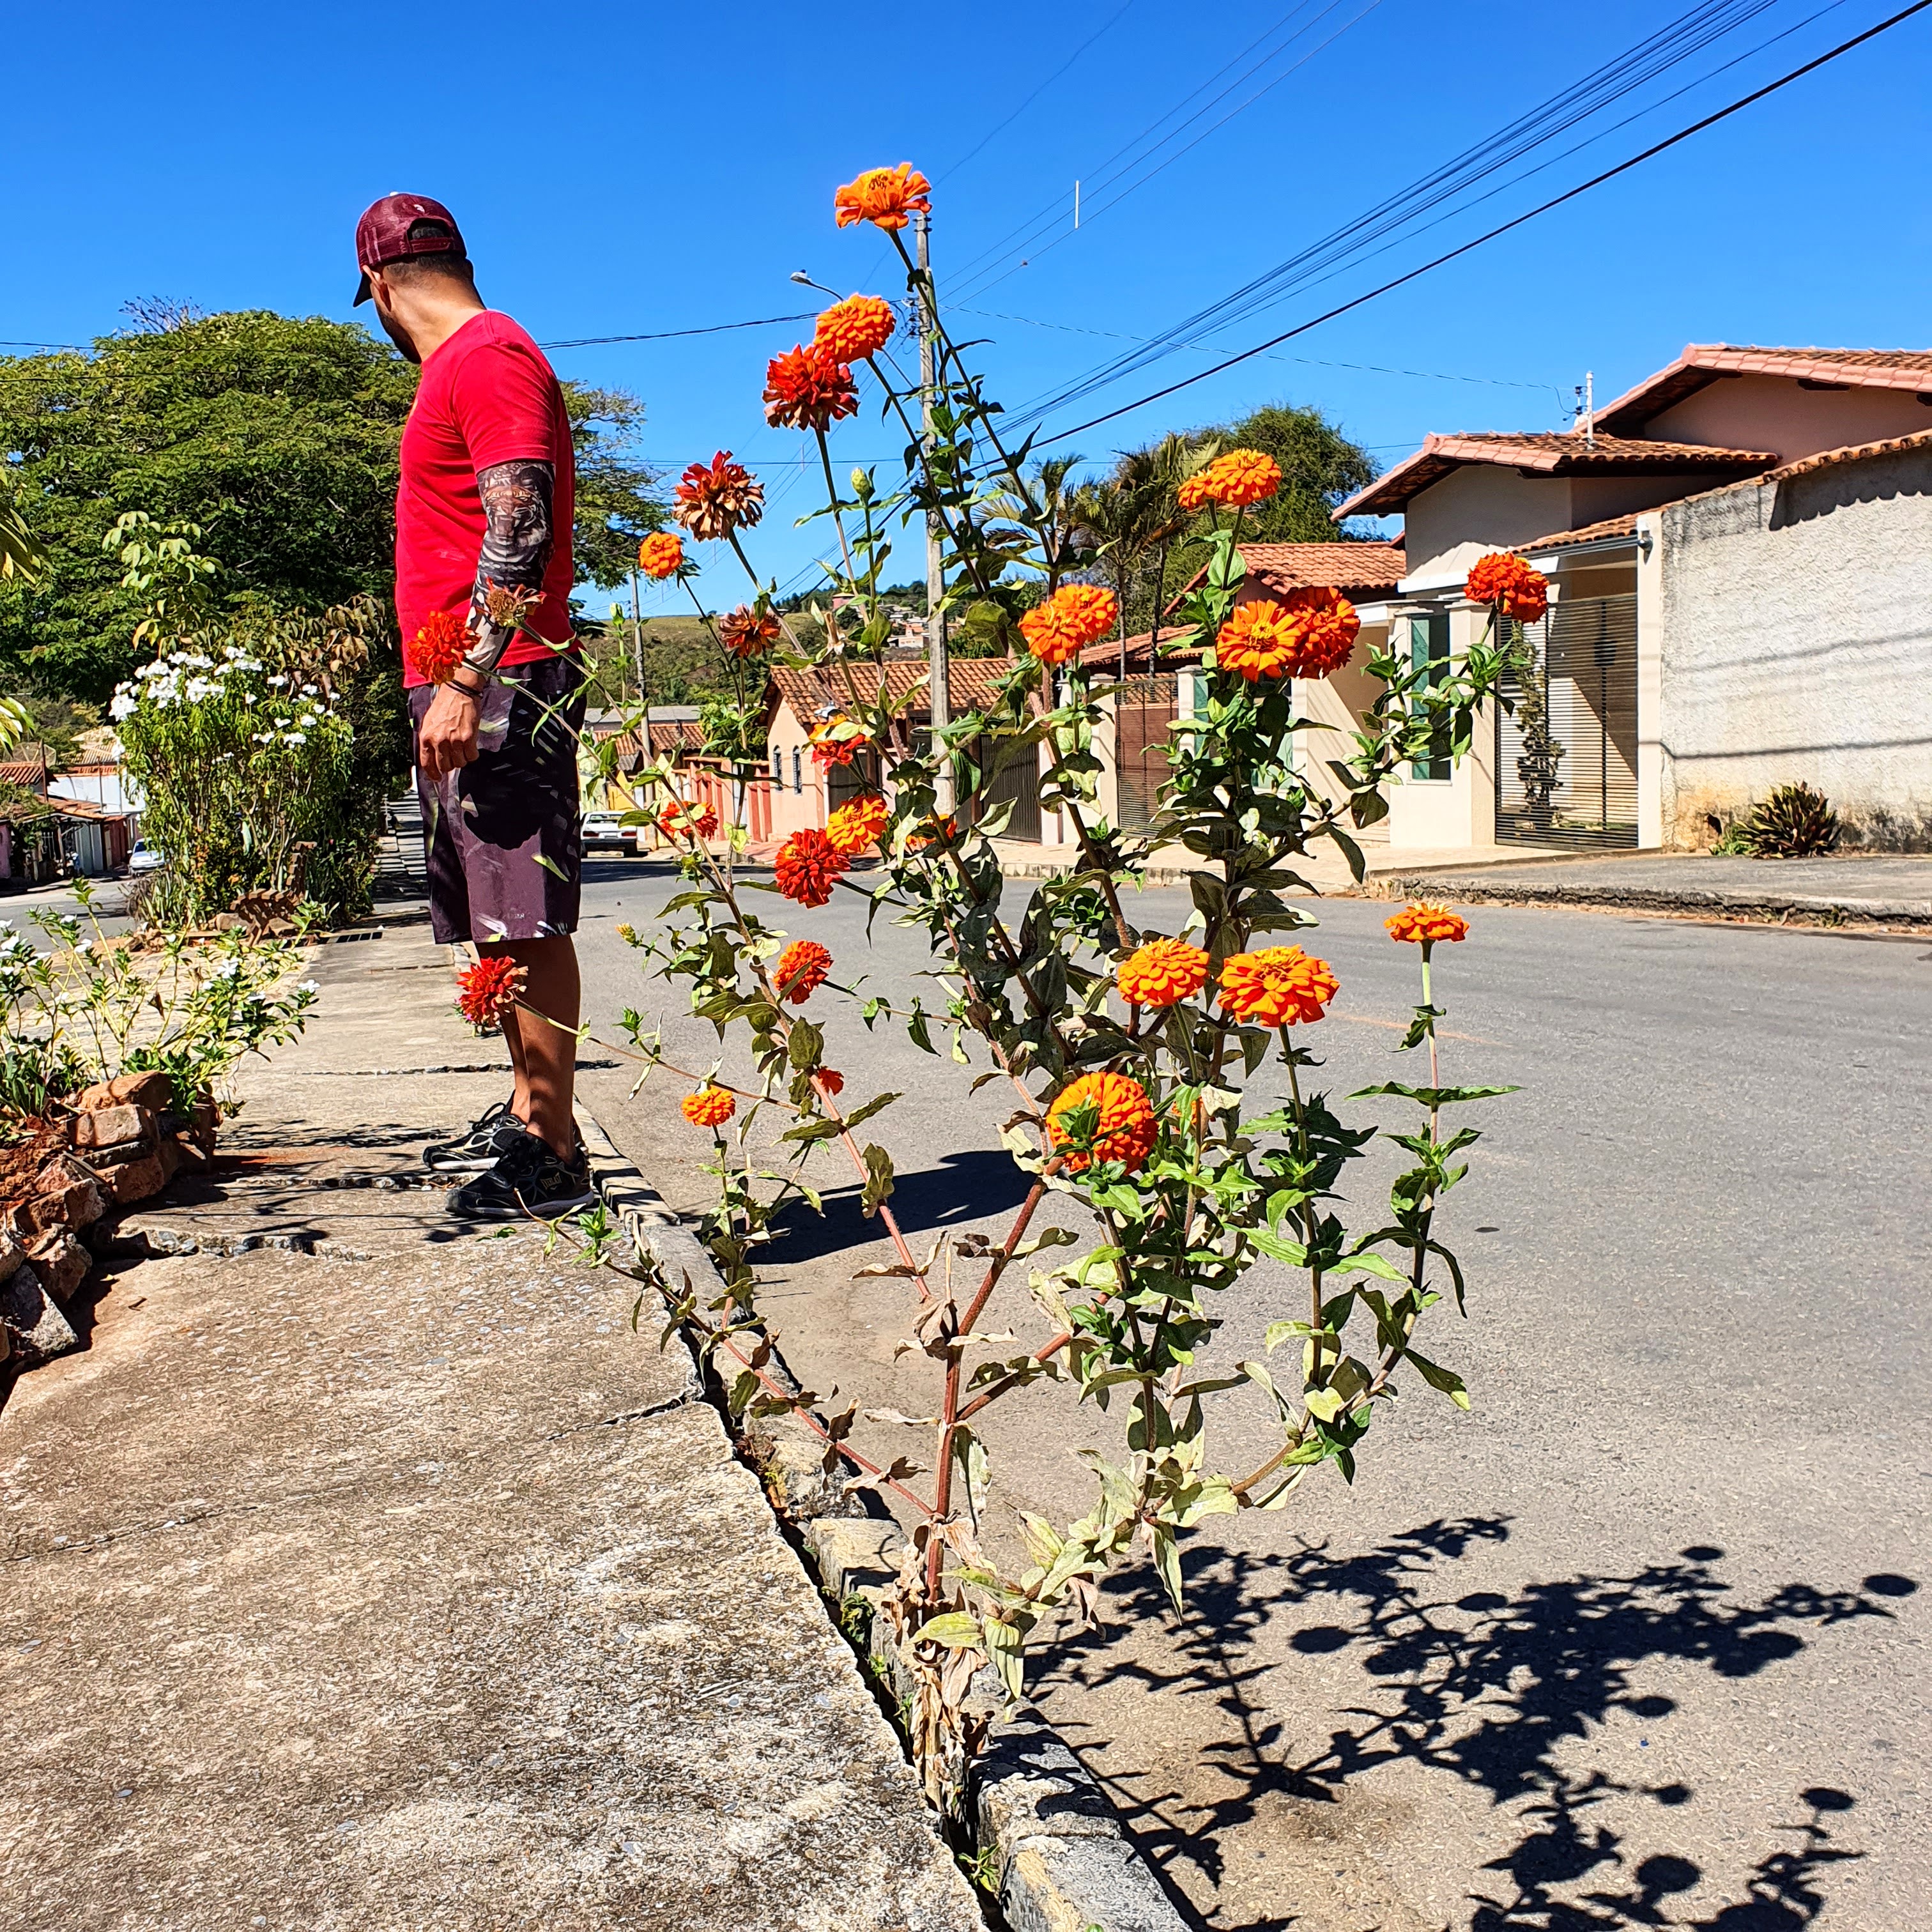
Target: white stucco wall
{"type": "Point", "coordinates": [1798, 645]}
{"type": "Point", "coordinates": [1775, 413]}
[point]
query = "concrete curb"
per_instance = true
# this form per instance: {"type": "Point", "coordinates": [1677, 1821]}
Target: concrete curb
{"type": "Point", "coordinates": [1788, 907]}
{"type": "Point", "coordinates": [1065, 1861]}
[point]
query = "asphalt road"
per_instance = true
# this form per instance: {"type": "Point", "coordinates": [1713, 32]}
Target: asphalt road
{"type": "Point", "coordinates": [1640, 1642]}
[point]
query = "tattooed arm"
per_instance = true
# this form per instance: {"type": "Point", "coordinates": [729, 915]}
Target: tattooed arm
{"type": "Point", "coordinates": [518, 536]}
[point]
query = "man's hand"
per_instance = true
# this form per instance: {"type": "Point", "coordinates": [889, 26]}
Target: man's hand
{"type": "Point", "coordinates": [447, 740]}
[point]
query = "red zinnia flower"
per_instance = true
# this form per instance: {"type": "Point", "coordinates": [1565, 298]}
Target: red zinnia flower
{"type": "Point", "coordinates": [803, 967]}
{"type": "Point", "coordinates": [887, 197]}
{"type": "Point", "coordinates": [714, 498]}
{"type": "Point", "coordinates": [677, 820]}
{"type": "Point", "coordinates": [808, 865]}
{"type": "Point", "coordinates": [830, 750]}
{"type": "Point", "coordinates": [807, 389]}
{"type": "Point", "coordinates": [660, 553]}
{"type": "Point", "coordinates": [439, 647]}
{"type": "Point", "coordinates": [856, 329]}
{"type": "Point", "coordinates": [487, 991]}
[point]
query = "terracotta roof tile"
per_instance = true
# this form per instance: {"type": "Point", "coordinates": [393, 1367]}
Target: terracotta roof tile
{"type": "Point", "coordinates": [1852, 452]}
{"type": "Point", "coordinates": [1702, 363]}
{"type": "Point", "coordinates": [1345, 566]}
{"type": "Point", "coordinates": [1550, 453]}
{"type": "Point", "coordinates": [1108, 651]}
{"type": "Point", "coordinates": [1610, 526]}
{"type": "Point", "coordinates": [972, 683]}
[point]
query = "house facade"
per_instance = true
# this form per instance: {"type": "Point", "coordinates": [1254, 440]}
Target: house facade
{"type": "Point", "coordinates": [1739, 570]}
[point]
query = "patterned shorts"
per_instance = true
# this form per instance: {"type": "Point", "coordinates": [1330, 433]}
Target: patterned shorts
{"type": "Point", "coordinates": [503, 835]}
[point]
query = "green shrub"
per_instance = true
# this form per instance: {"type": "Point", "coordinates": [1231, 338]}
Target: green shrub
{"type": "Point", "coordinates": [1794, 823]}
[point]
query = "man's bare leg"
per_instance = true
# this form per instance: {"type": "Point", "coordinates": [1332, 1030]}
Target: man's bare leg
{"type": "Point", "coordinates": [545, 1056]}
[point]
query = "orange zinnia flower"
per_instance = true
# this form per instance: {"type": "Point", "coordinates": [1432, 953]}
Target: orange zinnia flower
{"type": "Point", "coordinates": [1307, 634]}
{"type": "Point", "coordinates": [831, 1079]}
{"type": "Point", "coordinates": [1425, 924]}
{"type": "Point", "coordinates": [808, 865]}
{"type": "Point", "coordinates": [803, 967]}
{"type": "Point", "coordinates": [887, 197]}
{"type": "Point", "coordinates": [487, 991]}
{"type": "Point", "coordinates": [1192, 493]}
{"type": "Point", "coordinates": [709, 1106]}
{"type": "Point", "coordinates": [1162, 973]}
{"type": "Point", "coordinates": [1279, 986]}
{"type": "Point", "coordinates": [712, 500]}
{"type": "Point", "coordinates": [439, 647]}
{"type": "Point", "coordinates": [1075, 616]}
{"type": "Point", "coordinates": [856, 329]}
{"type": "Point", "coordinates": [853, 827]}
{"type": "Point", "coordinates": [1509, 583]}
{"type": "Point", "coordinates": [747, 633]}
{"type": "Point", "coordinates": [1241, 477]}
{"type": "Point", "coordinates": [1124, 1131]}
{"type": "Point", "coordinates": [660, 553]}
{"type": "Point", "coordinates": [807, 389]}
{"type": "Point", "coordinates": [946, 829]}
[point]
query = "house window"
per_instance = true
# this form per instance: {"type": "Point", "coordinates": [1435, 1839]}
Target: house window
{"type": "Point", "coordinates": [797, 772]}
{"type": "Point", "coordinates": [1428, 652]}
{"type": "Point", "coordinates": [778, 769]}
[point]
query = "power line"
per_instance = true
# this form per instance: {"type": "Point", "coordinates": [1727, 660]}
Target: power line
{"type": "Point", "coordinates": [668, 335]}
{"type": "Point", "coordinates": [1112, 20]}
{"type": "Point", "coordinates": [1687, 35]}
{"type": "Point", "coordinates": [970, 273]}
{"type": "Point", "coordinates": [1308, 361]}
{"type": "Point", "coordinates": [1556, 201]}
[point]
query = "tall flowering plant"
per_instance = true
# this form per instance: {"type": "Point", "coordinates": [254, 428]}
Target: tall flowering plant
{"type": "Point", "coordinates": [1126, 1054]}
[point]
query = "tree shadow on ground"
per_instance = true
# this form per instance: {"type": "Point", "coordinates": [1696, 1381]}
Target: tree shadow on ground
{"type": "Point", "coordinates": [963, 1188]}
{"type": "Point", "coordinates": [1487, 1688]}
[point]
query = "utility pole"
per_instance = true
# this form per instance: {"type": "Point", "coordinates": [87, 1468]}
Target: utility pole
{"type": "Point", "coordinates": [637, 653]}
{"type": "Point", "coordinates": [939, 691]}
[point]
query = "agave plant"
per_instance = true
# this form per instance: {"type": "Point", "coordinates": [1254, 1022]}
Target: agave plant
{"type": "Point", "coordinates": [1794, 823]}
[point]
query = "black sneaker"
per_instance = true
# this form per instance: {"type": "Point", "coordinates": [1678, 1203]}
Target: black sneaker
{"type": "Point", "coordinates": [527, 1179]}
{"type": "Point", "coordinates": [479, 1148]}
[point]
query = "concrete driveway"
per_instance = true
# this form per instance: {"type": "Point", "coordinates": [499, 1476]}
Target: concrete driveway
{"type": "Point", "coordinates": [1641, 1641]}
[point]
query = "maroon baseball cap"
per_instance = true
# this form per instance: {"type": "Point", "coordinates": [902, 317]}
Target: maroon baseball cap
{"type": "Point", "coordinates": [384, 233]}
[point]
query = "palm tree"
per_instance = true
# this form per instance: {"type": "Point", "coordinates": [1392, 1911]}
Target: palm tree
{"type": "Point", "coordinates": [1153, 474]}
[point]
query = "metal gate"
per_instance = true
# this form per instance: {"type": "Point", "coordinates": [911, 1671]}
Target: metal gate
{"type": "Point", "coordinates": [1566, 754]}
{"type": "Point", "coordinates": [1146, 708]}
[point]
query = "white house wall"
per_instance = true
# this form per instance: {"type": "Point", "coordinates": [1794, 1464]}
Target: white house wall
{"type": "Point", "coordinates": [1798, 645]}
{"type": "Point", "coordinates": [1776, 414]}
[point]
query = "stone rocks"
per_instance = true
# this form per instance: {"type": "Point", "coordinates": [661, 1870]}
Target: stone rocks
{"type": "Point", "coordinates": [136, 1179]}
{"type": "Point", "coordinates": [66, 1195]}
{"type": "Point", "coordinates": [121, 1131]}
{"type": "Point", "coordinates": [60, 1262]}
{"type": "Point", "coordinates": [36, 1329]}
{"type": "Point", "coordinates": [150, 1090]}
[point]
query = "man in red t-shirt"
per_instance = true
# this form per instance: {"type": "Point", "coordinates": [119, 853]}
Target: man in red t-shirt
{"type": "Point", "coordinates": [483, 580]}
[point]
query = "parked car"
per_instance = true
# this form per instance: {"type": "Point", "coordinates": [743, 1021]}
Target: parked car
{"type": "Point", "coordinates": [605, 832]}
{"type": "Point", "coordinates": [145, 858]}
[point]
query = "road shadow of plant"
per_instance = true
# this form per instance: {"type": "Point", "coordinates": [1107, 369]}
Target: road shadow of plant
{"type": "Point", "coordinates": [1484, 1688]}
{"type": "Point", "coordinates": [962, 1188]}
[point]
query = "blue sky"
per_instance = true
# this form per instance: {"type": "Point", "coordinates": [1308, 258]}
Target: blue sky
{"type": "Point", "coordinates": [620, 170]}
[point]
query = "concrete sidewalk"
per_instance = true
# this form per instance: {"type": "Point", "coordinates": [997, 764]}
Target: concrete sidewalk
{"type": "Point", "coordinates": [1886, 889]}
{"type": "Point", "coordinates": [378, 1575]}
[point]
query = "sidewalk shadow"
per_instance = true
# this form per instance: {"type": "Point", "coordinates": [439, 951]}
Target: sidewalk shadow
{"type": "Point", "coordinates": [963, 1188]}
{"type": "Point", "coordinates": [1485, 1687]}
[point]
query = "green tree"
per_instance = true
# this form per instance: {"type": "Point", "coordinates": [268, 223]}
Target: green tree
{"type": "Point", "coordinates": [1319, 467]}
{"type": "Point", "coordinates": [278, 435]}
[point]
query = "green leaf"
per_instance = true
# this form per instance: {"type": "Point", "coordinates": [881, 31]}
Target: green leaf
{"type": "Point", "coordinates": [957, 1630]}
{"type": "Point", "coordinates": [1292, 1252]}
{"type": "Point", "coordinates": [1432, 1097]}
{"type": "Point", "coordinates": [804, 1046]}
{"type": "Point", "coordinates": [878, 1180]}
{"type": "Point", "coordinates": [1446, 1380]}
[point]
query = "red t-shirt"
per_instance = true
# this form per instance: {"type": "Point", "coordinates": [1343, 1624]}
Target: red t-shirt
{"type": "Point", "coordinates": [487, 396]}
